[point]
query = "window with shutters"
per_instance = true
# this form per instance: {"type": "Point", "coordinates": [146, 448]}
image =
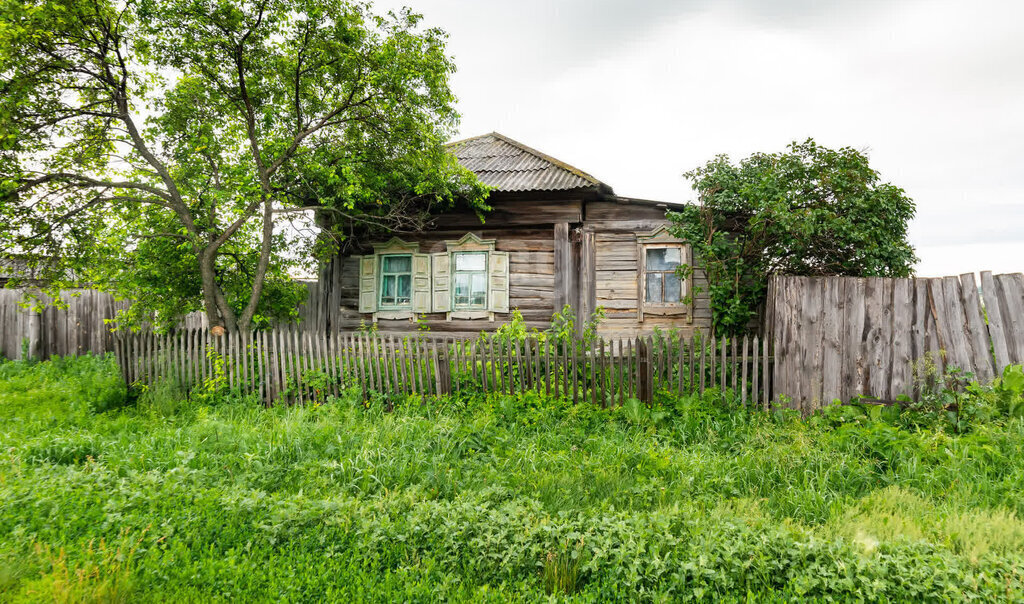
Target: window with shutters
{"type": "Point", "coordinates": [395, 281]}
{"type": "Point", "coordinates": [470, 279]}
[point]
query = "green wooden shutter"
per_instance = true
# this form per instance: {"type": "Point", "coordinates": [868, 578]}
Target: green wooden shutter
{"type": "Point", "coordinates": [367, 283]}
{"type": "Point", "coordinates": [442, 282]}
{"type": "Point", "coordinates": [497, 267]}
{"type": "Point", "coordinates": [421, 282]}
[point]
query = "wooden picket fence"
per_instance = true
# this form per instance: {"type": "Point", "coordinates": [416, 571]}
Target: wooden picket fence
{"type": "Point", "coordinates": [291, 365]}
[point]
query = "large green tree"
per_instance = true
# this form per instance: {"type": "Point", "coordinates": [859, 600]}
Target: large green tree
{"type": "Point", "coordinates": [154, 147]}
{"type": "Point", "coordinates": [807, 211]}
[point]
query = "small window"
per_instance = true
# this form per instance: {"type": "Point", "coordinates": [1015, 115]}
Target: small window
{"type": "Point", "coordinates": [663, 284]}
{"type": "Point", "coordinates": [470, 276]}
{"type": "Point", "coordinates": [396, 281]}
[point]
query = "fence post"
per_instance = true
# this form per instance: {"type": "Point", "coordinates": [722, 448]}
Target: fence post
{"type": "Point", "coordinates": [643, 354]}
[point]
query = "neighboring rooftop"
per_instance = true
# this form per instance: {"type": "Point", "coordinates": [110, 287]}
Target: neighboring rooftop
{"type": "Point", "coordinates": [510, 166]}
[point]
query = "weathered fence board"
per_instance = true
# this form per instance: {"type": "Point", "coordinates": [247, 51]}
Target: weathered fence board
{"type": "Point", "coordinates": [83, 323]}
{"type": "Point", "coordinates": [845, 337]}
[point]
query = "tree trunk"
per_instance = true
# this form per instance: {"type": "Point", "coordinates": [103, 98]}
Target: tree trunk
{"type": "Point", "coordinates": [261, 268]}
{"type": "Point", "coordinates": [218, 312]}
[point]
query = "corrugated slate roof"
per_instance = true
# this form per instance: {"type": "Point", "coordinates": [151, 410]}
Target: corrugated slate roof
{"type": "Point", "coordinates": [508, 165]}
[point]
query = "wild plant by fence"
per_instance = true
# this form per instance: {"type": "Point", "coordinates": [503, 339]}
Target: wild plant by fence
{"type": "Point", "coordinates": [290, 365]}
{"type": "Point", "coordinates": [845, 337]}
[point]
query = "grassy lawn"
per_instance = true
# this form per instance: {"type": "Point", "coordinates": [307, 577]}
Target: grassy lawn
{"type": "Point", "coordinates": [498, 499]}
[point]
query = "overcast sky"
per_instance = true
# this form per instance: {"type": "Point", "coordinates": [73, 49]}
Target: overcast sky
{"type": "Point", "coordinates": [637, 92]}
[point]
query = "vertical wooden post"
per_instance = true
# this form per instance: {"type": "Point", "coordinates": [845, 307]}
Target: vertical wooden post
{"type": "Point", "coordinates": [547, 367]}
{"type": "Point", "coordinates": [679, 369]}
{"type": "Point", "coordinates": [630, 367]}
{"type": "Point", "coordinates": [690, 363]}
{"type": "Point", "coordinates": [703, 359]}
{"type": "Point", "coordinates": [722, 366]}
{"type": "Point", "coordinates": [593, 373]}
{"type": "Point", "coordinates": [574, 352]}
{"type": "Point", "coordinates": [437, 368]}
{"type": "Point", "coordinates": [641, 371]}
{"type": "Point", "coordinates": [496, 363]}
{"type": "Point", "coordinates": [519, 366]}
{"type": "Point", "coordinates": [755, 392]}
{"type": "Point", "coordinates": [564, 277]}
{"type": "Point", "coordinates": [743, 383]}
{"type": "Point", "coordinates": [766, 377]}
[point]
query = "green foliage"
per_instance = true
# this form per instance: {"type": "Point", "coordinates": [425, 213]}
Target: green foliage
{"type": "Point", "coordinates": [807, 211]}
{"type": "Point", "coordinates": [149, 148]}
{"type": "Point", "coordinates": [495, 499]}
{"type": "Point", "coordinates": [563, 325]}
{"type": "Point", "coordinates": [1008, 391]}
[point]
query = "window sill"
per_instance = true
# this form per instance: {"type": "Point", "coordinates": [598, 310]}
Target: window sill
{"type": "Point", "coordinates": [390, 315]}
{"type": "Point", "coordinates": [471, 314]}
{"type": "Point", "coordinates": [667, 310]}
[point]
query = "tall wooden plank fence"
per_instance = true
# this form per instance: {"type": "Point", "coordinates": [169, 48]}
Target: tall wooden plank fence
{"type": "Point", "coordinates": [846, 337]}
{"type": "Point", "coordinates": [83, 323]}
{"type": "Point", "coordinates": [291, 365]}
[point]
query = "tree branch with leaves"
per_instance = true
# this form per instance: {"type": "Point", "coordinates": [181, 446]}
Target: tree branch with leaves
{"type": "Point", "coordinates": [149, 147]}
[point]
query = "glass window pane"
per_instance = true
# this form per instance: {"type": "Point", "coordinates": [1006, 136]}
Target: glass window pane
{"type": "Point", "coordinates": [404, 289]}
{"type": "Point", "coordinates": [663, 259]}
{"type": "Point", "coordinates": [655, 259]}
{"type": "Point", "coordinates": [387, 290]}
{"type": "Point", "coordinates": [673, 287]}
{"type": "Point", "coordinates": [461, 289]}
{"type": "Point", "coordinates": [654, 287]}
{"type": "Point", "coordinates": [397, 264]}
{"type": "Point", "coordinates": [471, 262]}
{"type": "Point", "coordinates": [480, 290]}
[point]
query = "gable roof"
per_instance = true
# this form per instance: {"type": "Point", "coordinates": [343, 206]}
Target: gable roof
{"type": "Point", "coordinates": [510, 166]}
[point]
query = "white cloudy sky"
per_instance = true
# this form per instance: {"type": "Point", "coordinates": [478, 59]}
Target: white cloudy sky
{"type": "Point", "coordinates": [638, 92]}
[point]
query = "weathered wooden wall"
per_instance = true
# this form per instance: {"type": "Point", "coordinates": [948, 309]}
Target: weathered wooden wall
{"type": "Point", "coordinates": [581, 253]}
{"type": "Point", "coordinates": [845, 337]}
{"type": "Point", "coordinates": [531, 283]}
{"type": "Point", "coordinates": [614, 229]}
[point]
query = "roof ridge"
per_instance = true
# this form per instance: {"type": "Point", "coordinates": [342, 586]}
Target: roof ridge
{"type": "Point", "coordinates": [539, 154]}
{"type": "Point", "coordinates": [561, 164]}
{"type": "Point", "coordinates": [496, 159]}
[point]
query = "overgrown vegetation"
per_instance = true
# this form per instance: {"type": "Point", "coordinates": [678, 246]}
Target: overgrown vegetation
{"type": "Point", "coordinates": [168, 498]}
{"type": "Point", "coordinates": [809, 210]}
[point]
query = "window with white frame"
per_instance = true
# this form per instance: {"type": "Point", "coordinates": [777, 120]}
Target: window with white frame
{"type": "Point", "coordinates": [396, 281]}
{"type": "Point", "coordinates": [469, 275]}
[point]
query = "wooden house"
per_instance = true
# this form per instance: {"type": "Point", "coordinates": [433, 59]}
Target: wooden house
{"type": "Point", "coordinates": [557, 236]}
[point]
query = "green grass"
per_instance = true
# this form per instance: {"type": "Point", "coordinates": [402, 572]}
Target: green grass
{"type": "Point", "coordinates": [104, 498]}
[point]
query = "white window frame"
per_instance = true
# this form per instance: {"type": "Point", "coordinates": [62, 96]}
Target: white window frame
{"type": "Point", "coordinates": [407, 306]}
{"type": "Point", "coordinates": [456, 307]}
{"type": "Point", "coordinates": [496, 285]}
